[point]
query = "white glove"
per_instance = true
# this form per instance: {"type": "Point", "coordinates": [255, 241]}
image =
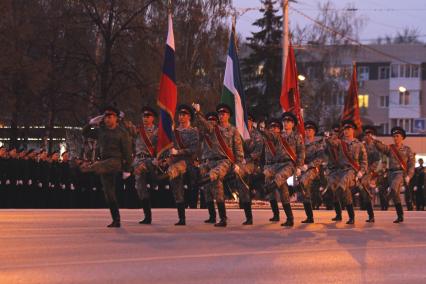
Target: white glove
{"type": "Point", "coordinates": [415, 188]}
{"type": "Point", "coordinates": [72, 187]}
{"type": "Point", "coordinates": [196, 107]}
{"type": "Point", "coordinates": [7, 182]}
{"type": "Point", "coordinates": [407, 180]}
{"type": "Point", "coordinates": [63, 186]}
{"type": "Point", "coordinates": [126, 175]}
{"type": "Point", "coordinates": [359, 175]}
{"type": "Point", "coordinates": [298, 172]}
{"type": "Point", "coordinates": [96, 120]}
{"type": "Point", "coordinates": [30, 182]}
{"type": "Point", "coordinates": [262, 125]}
{"type": "Point", "coordinates": [237, 169]}
{"type": "Point", "coordinates": [304, 168]}
{"type": "Point", "coordinates": [40, 185]}
{"type": "Point", "coordinates": [173, 152]}
{"type": "Point", "coordinates": [327, 134]}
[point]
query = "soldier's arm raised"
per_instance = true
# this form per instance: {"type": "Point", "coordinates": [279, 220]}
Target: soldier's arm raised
{"type": "Point", "coordinates": [381, 147]}
{"type": "Point", "coordinates": [202, 123]}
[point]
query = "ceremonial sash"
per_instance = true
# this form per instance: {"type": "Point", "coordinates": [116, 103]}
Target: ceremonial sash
{"type": "Point", "coordinates": [288, 149]}
{"type": "Point", "coordinates": [395, 153]}
{"type": "Point", "coordinates": [146, 140]}
{"type": "Point", "coordinates": [208, 141]}
{"type": "Point", "coordinates": [271, 147]}
{"type": "Point", "coordinates": [179, 139]}
{"type": "Point", "coordinates": [345, 151]}
{"type": "Point", "coordinates": [228, 152]}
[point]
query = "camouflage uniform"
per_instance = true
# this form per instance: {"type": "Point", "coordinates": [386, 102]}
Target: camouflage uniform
{"type": "Point", "coordinates": [314, 158]}
{"type": "Point", "coordinates": [396, 172]}
{"type": "Point", "coordinates": [345, 178]}
{"type": "Point", "coordinates": [283, 167]}
{"type": "Point", "coordinates": [218, 165]}
{"type": "Point", "coordinates": [331, 175]}
{"type": "Point", "coordinates": [181, 163]}
{"type": "Point", "coordinates": [144, 158]}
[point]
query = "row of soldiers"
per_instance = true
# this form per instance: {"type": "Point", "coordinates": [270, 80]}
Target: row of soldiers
{"type": "Point", "coordinates": [208, 151]}
{"type": "Point", "coordinates": [35, 179]}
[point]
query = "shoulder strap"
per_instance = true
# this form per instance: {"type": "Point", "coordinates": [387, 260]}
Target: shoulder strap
{"type": "Point", "coordinates": [348, 157]}
{"type": "Point", "coordinates": [288, 149]}
{"type": "Point", "coordinates": [271, 147]}
{"type": "Point", "coordinates": [228, 152]}
{"type": "Point", "coordinates": [146, 140]}
{"type": "Point", "coordinates": [395, 153]}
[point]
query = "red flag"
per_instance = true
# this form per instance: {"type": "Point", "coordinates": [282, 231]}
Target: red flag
{"type": "Point", "coordinates": [290, 97]}
{"type": "Point", "coordinates": [167, 97]}
{"type": "Point", "coordinates": [351, 109]}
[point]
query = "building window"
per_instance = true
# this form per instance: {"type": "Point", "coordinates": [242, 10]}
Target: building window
{"type": "Point", "coordinates": [363, 73]}
{"type": "Point", "coordinates": [384, 101]}
{"type": "Point", "coordinates": [384, 72]}
{"type": "Point", "coordinates": [405, 71]}
{"type": "Point", "coordinates": [384, 128]}
{"type": "Point", "coordinates": [363, 101]}
{"type": "Point", "coordinates": [404, 98]}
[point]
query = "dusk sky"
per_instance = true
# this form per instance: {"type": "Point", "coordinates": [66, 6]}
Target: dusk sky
{"type": "Point", "coordinates": [381, 17]}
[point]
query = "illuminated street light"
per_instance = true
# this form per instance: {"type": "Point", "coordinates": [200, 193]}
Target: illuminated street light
{"type": "Point", "coordinates": [301, 78]}
{"type": "Point", "coordinates": [402, 89]}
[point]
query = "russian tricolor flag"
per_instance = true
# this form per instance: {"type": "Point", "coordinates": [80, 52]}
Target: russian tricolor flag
{"type": "Point", "coordinates": [167, 97]}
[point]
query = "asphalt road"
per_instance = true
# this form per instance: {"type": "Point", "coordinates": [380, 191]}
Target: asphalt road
{"type": "Point", "coordinates": [74, 246]}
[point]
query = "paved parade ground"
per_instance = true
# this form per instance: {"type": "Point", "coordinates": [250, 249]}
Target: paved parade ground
{"type": "Point", "coordinates": [74, 246]}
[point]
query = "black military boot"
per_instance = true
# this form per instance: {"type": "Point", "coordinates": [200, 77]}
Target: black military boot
{"type": "Point", "coordinates": [222, 215]}
{"type": "Point", "coordinates": [289, 213]}
{"type": "Point", "coordinates": [309, 212]}
{"type": "Point", "coordinates": [248, 213]}
{"type": "Point", "coordinates": [115, 214]}
{"type": "Point", "coordinates": [338, 209]}
{"type": "Point", "coordinates": [370, 211]}
{"type": "Point", "coordinates": [146, 206]}
{"type": "Point", "coordinates": [181, 214]}
{"type": "Point", "coordinates": [351, 213]}
{"type": "Point", "coordinates": [275, 210]}
{"type": "Point", "coordinates": [212, 213]}
{"type": "Point", "coordinates": [400, 213]}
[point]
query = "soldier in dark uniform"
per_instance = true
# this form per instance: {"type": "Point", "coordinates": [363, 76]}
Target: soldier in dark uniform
{"type": "Point", "coordinates": [3, 167]}
{"type": "Point", "coordinates": [116, 156]}
{"type": "Point", "coordinates": [373, 164]}
{"type": "Point", "coordinates": [314, 158]}
{"type": "Point", "coordinates": [353, 164]}
{"type": "Point", "coordinates": [383, 184]}
{"type": "Point", "coordinates": [229, 154]}
{"type": "Point", "coordinates": [419, 187]}
{"type": "Point", "coordinates": [145, 149]}
{"type": "Point", "coordinates": [291, 150]}
{"type": "Point", "coordinates": [401, 166]}
{"type": "Point", "coordinates": [181, 158]}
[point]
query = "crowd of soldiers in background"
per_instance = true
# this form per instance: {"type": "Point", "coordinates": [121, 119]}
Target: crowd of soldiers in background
{"type": "Point", "coordinates": [36, 179]}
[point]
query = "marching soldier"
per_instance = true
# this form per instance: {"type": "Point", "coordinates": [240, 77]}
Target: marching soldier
{"type": "Point", "coordinates": [292, 149]}
{"type": "Point", "coordinates": [207, 154]}
{"type": "Point", "coordinates": [332, 171]}
{"type": "Point", "coordinates": [272, 160]}
{"type": "Point", "coordinates": [373, 156]}
{"type": "Point", "coordinates": [116, 156]}
{"type": "Point", "coordinates": [145, 144]}
{"type": "Point", "coordinates": [181, 158]}
{"type": "Point", "coordinates": [401, 166]}
{"type": "Point", "coordinates": [383, 184]}
{"type": "Point", "coordinates": [314, 157]}
{"type": "Point", "coordinates": [353, 164]}
{"type": "Point", "coordinates": [228, 149]}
